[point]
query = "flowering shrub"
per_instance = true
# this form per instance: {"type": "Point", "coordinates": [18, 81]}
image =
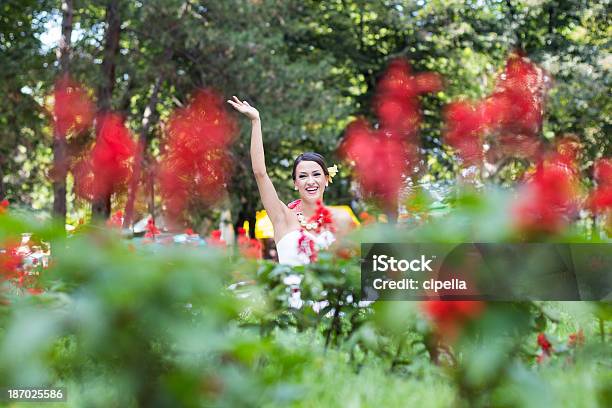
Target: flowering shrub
{"type": "Point", "coordinates": [509, 119]}
{"type": "Point", "coordinates": [151, 229]}
{"type": "Point", "coordinates": [384, 157]}
{"type": "Point", "coordinates": [215, 239]}
{"type": "Point", "coordinates": [73, 110]}
{"type": "Point", "coordinates": [549, 199]}
{"type": "Point", "coordinates": [107, 167]}
{"type": "Point", "coordinates": [249, 247]}
{"type": "Point", "coordinates": [195, 163]}
{"type": "Point", "coordinates": [600, 200]}
{"type": "Point", "coordinates": [448, 316]}
{"type": "Point", "coordinates": [4, 204]}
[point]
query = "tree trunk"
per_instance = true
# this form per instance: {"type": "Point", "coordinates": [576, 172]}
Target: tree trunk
{"type": "Point", "coordinates": [111, 49]}
{"type": "Point", "coordinates": [100, 209]}
{"type": "Point", "coordinates": [60, 149]}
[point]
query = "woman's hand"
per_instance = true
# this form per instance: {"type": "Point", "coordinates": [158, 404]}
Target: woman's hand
{"type": "Point", "coordinates": [244, 108]}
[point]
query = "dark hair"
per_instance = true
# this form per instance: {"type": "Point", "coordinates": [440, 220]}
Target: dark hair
{"type": "Point", "coordinates": [310, 156]}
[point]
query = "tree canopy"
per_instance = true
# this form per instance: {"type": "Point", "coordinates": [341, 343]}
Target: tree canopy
{"type": "Point", "coordinates": [309, 66]}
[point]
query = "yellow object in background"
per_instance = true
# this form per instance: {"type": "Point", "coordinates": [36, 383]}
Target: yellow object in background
{"type": "Point", "coordinates": [264, 229]}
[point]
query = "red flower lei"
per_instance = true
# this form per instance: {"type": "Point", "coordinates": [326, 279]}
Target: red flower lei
{"type": "Point", "coordinates": [321, 219]}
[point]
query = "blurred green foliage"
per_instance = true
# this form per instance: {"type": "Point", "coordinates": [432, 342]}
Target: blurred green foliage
{"type": "Point", "coordinates": [153, 325]}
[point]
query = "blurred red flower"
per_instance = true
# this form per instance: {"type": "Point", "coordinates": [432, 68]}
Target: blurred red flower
{"type": "Point", "coordinates": [465, 125]}
{"type": "Point", "coordinates": [568, 149]}
{"type": "Point", "coordinates": [35, 291]}
{"type": "Point", "coordinates": [4, 204]}
{"type": "Point", "coordinates": [107, 167]}
{"type": "Point", "coordinates": [600, 199]}
{"type": "Point", "coordinates": [449, 316]}
{"type": "Point", "coordinates": [397, 81]}
{"type": "Point", "coordinates": [215, 239]}
{"type": "Point", "coordinates": [548, 199]}
{"type": "Point", "coordinates": [306, 245]}
{"type": "Point", "coordinates": [195, 163]}
{"type": "Point", "coordinates": [366, 218]}
{"type": "Point", "coordinates": [383, 157]}
{"type": "Point", "coordinates": [509, 119]}
{"type": "Point", "coordinates": [602, 171]}
{"type": "Point", "coordinates": [544, 344]}
{"type": "Point", "coordinates": [10, 260]}
{"type": "Point", "coordinates": [249, 247]}
{"type": "Point", "coordinates": [520, 91]}
{"type": "Point", "coordinates": [73, 110]}
{"type": "Point", "coordinates": [323, 217]}
{"type": "Point", "coordinates": [576, 339]}
{"type": "Point", "coordinates": [151, 229]}
{"type": "Point", "coordinates": [380, 161]}
{"type": "Point", "coordinates": [396, 101]}
{"type": "Point", "coordinates": [546, 348]}
{"type": "Point", "coordinates": [115, 220]}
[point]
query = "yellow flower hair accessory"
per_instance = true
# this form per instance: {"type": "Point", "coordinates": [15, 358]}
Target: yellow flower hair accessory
{"type": "Point", "coordinates": [333, 170]}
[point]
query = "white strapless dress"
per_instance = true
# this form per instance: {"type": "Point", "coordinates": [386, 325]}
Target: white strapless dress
{"type": "Point", "coordinates": [288, 254]}
{"type": "Point", "coordinates": [287, 247]}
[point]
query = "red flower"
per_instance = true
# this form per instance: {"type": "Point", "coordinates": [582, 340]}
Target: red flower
{"type": "Point", "coordinates": [4, 204]}
{"type": "Point", "coordinates": [151, 229]}
{"type": "Point", "coordinates": [72, 109]}
{"type": "Point", "coordinates": [602, 171]}
{"type": "Point", "coordinates": [600, 199]}
{"type": "Point", "coordinates": [196, 164]}
{"type": "Point", "coordinates": [449, 316]}
{"type": "Point", "coordinates": [10, 261]}
{"type": "Point", "coordinates": [544, 344]}
{"type": "Point", "coordinates": [366, 218]}
{"type": "Point", "coordinates": [215, 239]}
{"type": "Point", "coordinates": [249, 247]}
{"type": "Point", "coordinates": [524, 85]}
{"type": "Point", "coordinates": [546, 348]}
{"type": "Point", "coordinates": [345, 253]}
{"type": "Point", "coordinates": [306, 245]}
{"type": "Point", "coordinates": [549, 198]}
{"type": "Point", "coordinates": [511, 117]}
{"type": "Point", "coordinates": [115, 220]}
{"type": "Point", "coordinates": [568, 149]}
{"type": "Point", "coordinates": [576, 339]}
{"type": "Point", "coordinates": [323, 217]}
{"type": "Point", "coordinates": [107, 167]}
{"type": "Point", "coordinates": [383, 157]}
{"type": "Point", "coordinates": [381, 161]}
{"type": "Point", "coordinates": [397, 81]}
{"type": "Point", "coordinates": [397, 104]}
{"type": "Point", "coordinates": [465, 125]}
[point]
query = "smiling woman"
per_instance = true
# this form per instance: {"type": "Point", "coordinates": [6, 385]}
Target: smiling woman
{"type": "Point", "coordinates": [304, 226]}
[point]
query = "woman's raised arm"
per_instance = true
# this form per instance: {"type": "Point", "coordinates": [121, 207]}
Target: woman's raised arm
{"type": "Point", "coordinates": [274, 207]}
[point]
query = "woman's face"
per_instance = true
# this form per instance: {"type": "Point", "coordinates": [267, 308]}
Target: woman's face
{"type": "Point", "coordinates": [310, 181]}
